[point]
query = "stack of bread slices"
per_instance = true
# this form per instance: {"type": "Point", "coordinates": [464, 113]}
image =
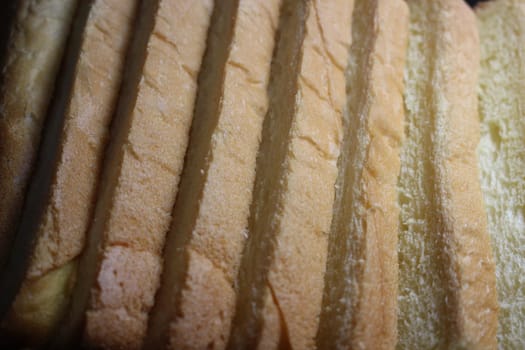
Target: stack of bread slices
{"type": "Point", "coordinates": [263, 174]}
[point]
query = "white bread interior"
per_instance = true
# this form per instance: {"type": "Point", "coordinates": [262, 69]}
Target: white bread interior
{"type": "Point", "coordinates": [60, 235]}
{"type": "Point", "coordinates": [502, 156]}
{"type": "Point", "coordinates": [421, 281]}
{"type": "Point", "coordinates": [122, 261]}
{"type": "Point", "coordinates": [34, 53]}
{"type": "Point", "coordinates": [196, 300]}
{"type": "Point", "coordinates": [447, 281]}
{"type": "Point", "coordinates": [360, 298]}
{"type": "Point", "coordinates": [282, 270]}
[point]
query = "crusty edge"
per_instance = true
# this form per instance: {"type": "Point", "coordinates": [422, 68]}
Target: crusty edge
{"type": "Point", "coordinates": [220, 227]}
{"type": "Point", "coordinates": [85, 132]}
{"type": "Point", "coordinates": [282, 91]}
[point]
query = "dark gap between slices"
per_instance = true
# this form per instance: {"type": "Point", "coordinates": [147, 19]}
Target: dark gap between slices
{"type": "Point", "coordinates": [207, 109]}
{"type": "Point", "coordinates": [341, 281]}
{"type": "Point", "coordinates": [69, 330]}
{"type": "Point", "coordinates": [269, 178]}
{"type": "Point", "coordinates": [39, 188]}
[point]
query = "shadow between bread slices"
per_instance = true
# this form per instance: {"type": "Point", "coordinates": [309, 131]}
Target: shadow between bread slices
{"type": "Point", "coordinates": [122, 262]}
{"type": "Point", "coordinates": [443, 238]}
{"type": "Point", "coordinates": [280, 278]}
{"type": "Point", "coordinates": [257, 254]}
{"type": "Point", "coordinates": [39, 189]}
{"type": "Point", "coordinates": [447, 280]}
{"type": "Point", "coordinates": [99, 41]}
{"type": "Point", "coordinates": [69, 330]}
{"type": "Point", "coordinates": [33, 55]}
{"type": "Point", "coordinates": [197, 160]}
{"type": "Point", "coordinates": [360, 296]}
{"type": "Point", "coordinates": [205, 241]}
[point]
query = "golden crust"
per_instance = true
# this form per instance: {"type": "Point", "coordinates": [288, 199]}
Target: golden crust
{"type": "Point", "coordinates": [145, 165]}
{"type": "Point", "coordinates": [375, 326]}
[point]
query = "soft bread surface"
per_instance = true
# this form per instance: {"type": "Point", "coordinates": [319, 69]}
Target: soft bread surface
{"type": "Point", "coordinates": [60, 236]}
{"type": "Point", "coordinates": [39, 188]}
{"type": "Point", "coordinates": [283, 233]}
{"type": "Point", "coordinates": [35, 48]}
{"type": "Point", "coordinates": [281, 276]}
{"type": "Point", "coordinates": [123, 257]}
{"type": "Point", "coordinates": [502, 156]}
{"type": "Point", "coordinates": [447, 280]}
{"type": "Point", "coordinates": [150, 143]}
{"type": "Point", "coordinates": [211, 213]}
{"type": "Point", "coordinates": [360, 299]}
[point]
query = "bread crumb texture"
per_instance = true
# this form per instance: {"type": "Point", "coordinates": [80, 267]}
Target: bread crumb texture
{"type": "Point", "coordinates": [220, 164]}
{"type": "Point", "coordinates": [35, 50]}
{"type": "Point", "coordinates": [447, 278]}
{"type": "Point", "coordinates": [502, 156]}
{"type": "Point", "coordinates": [62, 229]}
{"type": "Point", "coordinates": [284, 262]}
{"type": "Point", "coordinates": [359, 302]}
{"type": "Point", "coordinates": [142, 173]}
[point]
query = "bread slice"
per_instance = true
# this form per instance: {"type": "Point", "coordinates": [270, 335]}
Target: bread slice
{"type": "Point", "coordinates": [502, 156]}
{"type": "Point", "coordinates": [360, 297]}
{"type": "Point", "coordinates": [195, 304]}
{"type": "Point", "coordinates": [35, 49]}
{"type": "Point", "coordinates": [36, 198]}
{"type": "Point", "coordinates": [121, 265]}
{"type": "Point", "coordinates": [282, 269]}
{"type": "Point", "coordinates": [61, 228]}
{"type": "Point", "coordinates": [447, 277]}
